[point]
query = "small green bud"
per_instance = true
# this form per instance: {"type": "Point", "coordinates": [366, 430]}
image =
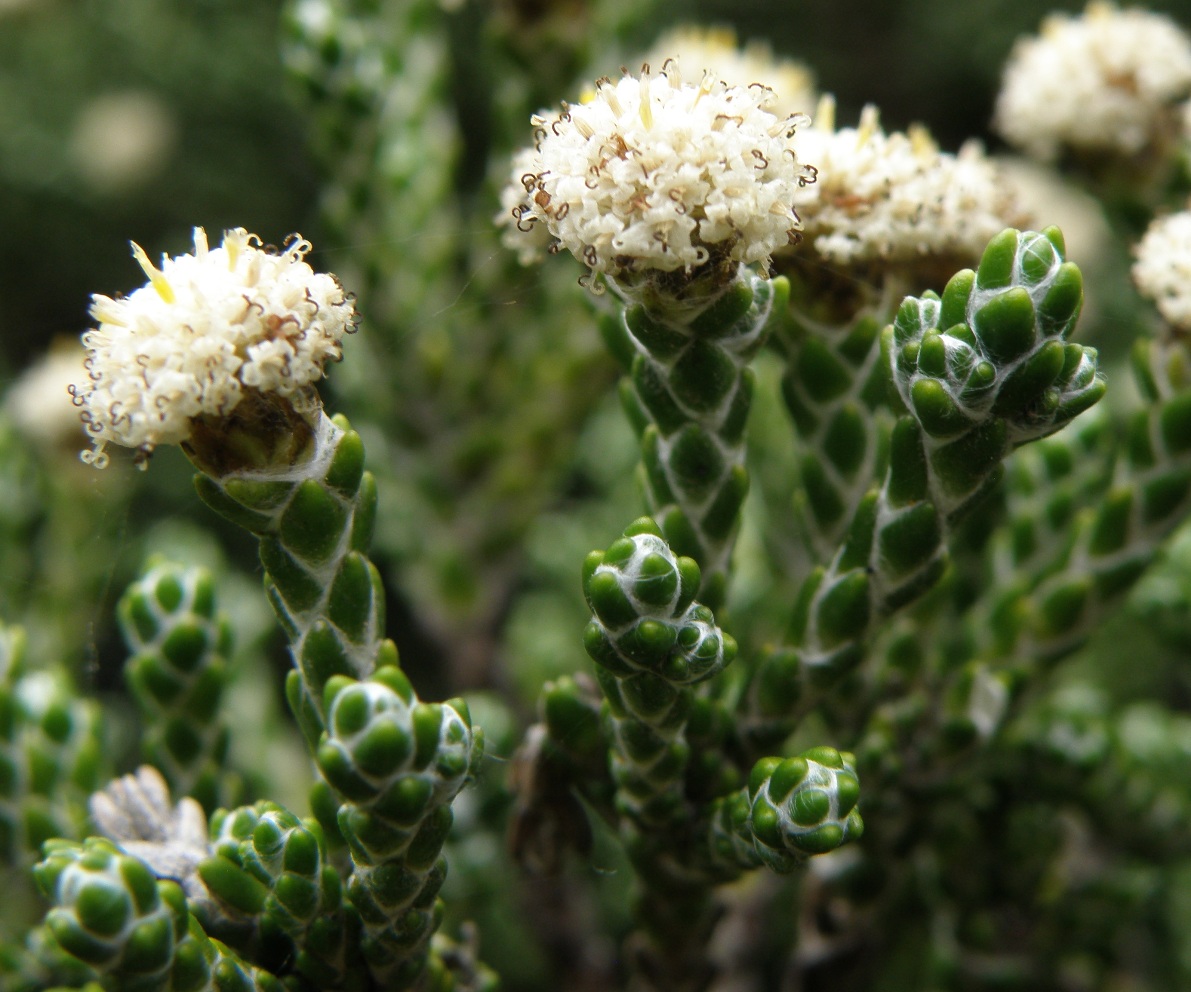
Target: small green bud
{"type": "Point", "coordinates": [997, 264]}
{"type": "Point", "coordinates": [803, 806]}
{"type": "Point", "coordinates": [1005, 325]}
{"type": "Point", "coordinates": [954, 309]}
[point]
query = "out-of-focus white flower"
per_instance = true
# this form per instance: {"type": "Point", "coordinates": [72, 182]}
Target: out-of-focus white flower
{"type": "Point", "coordinates": [701, 49]}
{"type": "Point", "coordinates": [122, 139]}
{"type": "Point", "coordinates": [205, 329]}
{"type": "Point", "coordinates": [655, 174]}
{"type": "Point", "coordinates": [1162, 270]}
{"type": "Point", "coordinates": [1045, 195]}
{"type": "Point", "coordinates": [39, 402]}
{"type": "Point", "coordinates": [1108, 81]}
{"type": "Point", "coordinates": [895, 198]}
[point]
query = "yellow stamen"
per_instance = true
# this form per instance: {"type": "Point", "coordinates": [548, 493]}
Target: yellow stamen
{"type": "Point", "coordinates": [825, 113]}
{"type": "Point", "coordinates": [608, 92]}
{"type": "Point", "coordinates": [870, 124]}
{"type": "Point", "coordinates": [156, 276]}
{"type": "Point", "coordinates": [646, 110]}
{"type": "Point", "coordinates": [233, 241]}
{"type": "Point", "coordinates": [921, 143]}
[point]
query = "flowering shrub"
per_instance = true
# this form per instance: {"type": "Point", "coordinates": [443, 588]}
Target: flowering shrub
{"type": "Point", "coordinates": [885, 680]}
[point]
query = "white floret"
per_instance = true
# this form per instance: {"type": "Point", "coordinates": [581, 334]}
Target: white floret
{"type": "Point", "coordinates": [1162, 270]}
{"type": "Point", "coordinates": [523, 235]}
{"type": "Point", "coordinates": [895, 197]}
{"type": "Point", "coordinates": [654, 174]}
{"type": "Point", "coordinates": [1109, 80]}
{"type": "Point", "coordinates": [205, 327]}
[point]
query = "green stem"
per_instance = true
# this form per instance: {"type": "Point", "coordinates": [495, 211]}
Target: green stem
{"type": "Point", "coordinates": [1117, 534]}
{"type": "Point", "coordinates": [652, 643]}
{"type": "Point", "coordinates": [981, 371]}
{"type": "Point", "coordinates": [51, 753]}
{"type": "Point", "coordinates": [177, 672]}
{"type": "Point", "coordinates": [836, 387]}
{"type": "Point", "coordinates": [314, 520]}
{"type": "Point", "coordinates": [688, 394]}
{"type": "Point", "coordinates": [394, 763]}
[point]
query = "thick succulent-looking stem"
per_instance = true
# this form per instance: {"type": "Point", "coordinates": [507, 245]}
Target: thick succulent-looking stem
{"type": "Point", "coordinates": [1049, 612]}
{"type": "Point", "coordinates": [652, 643]}
{"type": "Point", "coordinates": [277, 895]}
{"type": "Point", "coordinates": [136, 931]}
{"type": "Point", "coordinates": [686, 825]}
{"type": "Point", "coordinates": [51, 753]}
{"type": "Point", "coordinates": [982, 370]}
{"type": "Point", "coordinates": [988, 367]}
{"type": "Point", "coordinates": [314, 519]}
{"type": "Point", "coordinates": [177, 672]}
{"type": "Point", "coordinates": [835, 387]}
{"type": "Point", "coordinates": [396, 764]}
{"type": "Point", "coordinates": [1087, 511]}
{"type": "Point", "coordinates": [393, 763]}
{"type": "Point", "coordinates": [791, 809]}
{"type": "Point", "coordinates": [688, 394]}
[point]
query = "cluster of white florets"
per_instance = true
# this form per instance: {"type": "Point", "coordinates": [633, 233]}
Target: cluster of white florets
{"type": "Point", "coordinates": [1109, 80]}
{"type": "Point", "coordinates": [528, 238]}
{"type": "Point", "coordinates": [206, 327]}
{"type": "Point", "coordinates": [1162, 270]}
{"type": "Point", "coordinates": [655, 174]}
{"type": "Point", "coordinates": [701, 49]}
{"type": "Point", "coordinates": [895, 198]}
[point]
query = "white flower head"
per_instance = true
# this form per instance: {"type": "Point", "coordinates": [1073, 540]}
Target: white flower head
{"type": "Point", "coordinates": [1108, 81]}
{"type": "Point", "coordinates": [653, 174]}
{"type": "Point", "coordinates": [123, 139]}
{"type": "Point", "coordinates": [1162, 270]}
{"type": "Point", "coordinates": [208, 329]}
{"type": "Point", "coordinates": [702, 49]}
{"type": "Point", "coordinates": [895, 198]}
